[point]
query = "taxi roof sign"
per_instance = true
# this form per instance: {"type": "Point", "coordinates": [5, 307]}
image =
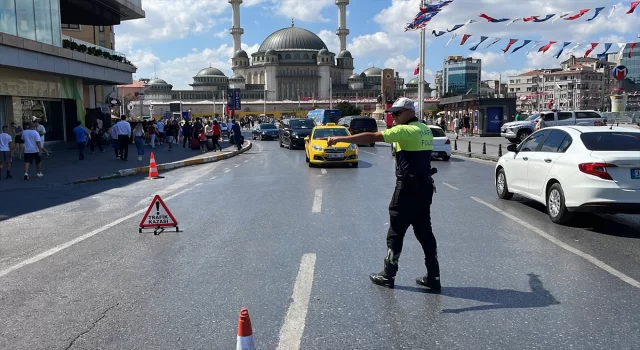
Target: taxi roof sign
{"type": "Point", "coordinates": [330, 124]}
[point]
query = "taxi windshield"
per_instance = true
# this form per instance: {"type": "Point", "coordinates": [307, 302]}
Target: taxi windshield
{"type": "Point", "coordinates": [325, 133]}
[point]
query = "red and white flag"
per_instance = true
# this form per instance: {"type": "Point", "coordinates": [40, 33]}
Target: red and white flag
{"type": "Point", "coordinates": [417, 70]}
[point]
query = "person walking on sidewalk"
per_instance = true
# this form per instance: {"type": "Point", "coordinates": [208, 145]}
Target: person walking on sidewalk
{"type": "Point", "coordinates": [237, 134]}
{"type": "Point", "coordinates": [32, 150]}
{"type": "Point", "coordinates": [216, 133]}
{"type": "Point", "coordinates": [171, 133]}
{"type": "Point", "coordinates": [5, 151]}
{"type": "Point", "coordinates": [138, 139]}
{"type": "Point", "coordinates": [95, 139]}
{"type": "Point", "coordinates": [81, 138]}
{"type": "Point", "coordinates": [411, 201]}
{"type": "Point", "coordinates": [123, 129]}
{"type": "Point", "coordinates": [42, 131]}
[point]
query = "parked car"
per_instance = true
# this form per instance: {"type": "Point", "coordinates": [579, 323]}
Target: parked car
{"type": "Point", "coordinates": [293, 131]}
{"type": "Point", "coordinates": [516, 132]}
{"type": "Point", "coordinates": [572, 169]}
{"type": "Point", "coordinates": [264, 132]}
{"type": "Point", "coordinates": [357, 124]}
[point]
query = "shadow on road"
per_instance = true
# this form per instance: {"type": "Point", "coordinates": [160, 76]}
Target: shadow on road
{"type": "Point", "coordinates": [497, 298]}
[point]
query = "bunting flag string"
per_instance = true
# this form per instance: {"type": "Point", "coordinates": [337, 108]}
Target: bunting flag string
{"type": "Point", "coordinates": [613, 9]}
{"type": "Point", "coordinates": [543, 49]}
{"type": "Point", "coordinates": [634, 4]}
{"type": "Point", "coordinates": [598, 10]}
{"type": "Point", "coordinates": [426, 14]}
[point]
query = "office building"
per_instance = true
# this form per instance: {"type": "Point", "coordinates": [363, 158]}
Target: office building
{"type": "Point", "coordinates": [461, 75]}
{"type": "Point", "coordinates": [59, 81]}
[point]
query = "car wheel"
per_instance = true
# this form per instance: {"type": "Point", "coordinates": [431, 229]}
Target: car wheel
{"type": "Point", "coordinates": [556, 208]}
{"type": "Point", "coordinates": [502, 188]}
{"type": "Point", "coordinates": [372, 145]}
{"type": "Point", "coordinates": [306, 157]}
{"type": "Point", "coordinates": [523, 134]}
{"type": "Point", "coordinates": [446, 158]}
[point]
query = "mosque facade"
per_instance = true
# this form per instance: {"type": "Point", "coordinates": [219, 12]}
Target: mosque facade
{"type": "Point", "coordinates": [291, 64]}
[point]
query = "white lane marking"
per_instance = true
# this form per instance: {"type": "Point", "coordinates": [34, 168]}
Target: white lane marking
{"type": "Point", "coordinates": [227, 170]}
{"type": "Point", "coordinates": [450, 186]}
{"type": "Point", "coordinates": [317, 202]}
{"type": "Point", "coordinates": [294, 322]}
{"type": "Point", "coordinates": [368, 152]}
{"type": "Point", "coordinates": [246, 161]}
{"type": "Point", "coordinates": [77, 240]}
{"type": "Point", "coordinates": [212, 178]}
{"type": "Point", "coordinates": [237, 165]}
{"type": "Point", "coordinates": [565, 246]}
{"type": "Point", "coordinates": [323, 171]}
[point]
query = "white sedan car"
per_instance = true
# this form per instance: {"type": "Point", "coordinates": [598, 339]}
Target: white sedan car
{"type": "Point", "coordinates": [573, 169]}
{"type": "Point", "coordinates": [441, 143]}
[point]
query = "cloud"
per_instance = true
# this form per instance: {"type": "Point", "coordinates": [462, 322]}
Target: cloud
{"type": "Point", "coordinates": [380, 43]}
{"type": "Point", "coordinates": [331, 39]}
{"type": "Point", "coordinates": [490, 58]}
{"type": "Point", "coordinates": [303, 10]}
{"type": "Point", "coordinates": [405, 67]}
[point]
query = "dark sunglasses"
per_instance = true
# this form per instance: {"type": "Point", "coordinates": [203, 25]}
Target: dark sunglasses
{"type": "Point", "coordinates": [397, 113]}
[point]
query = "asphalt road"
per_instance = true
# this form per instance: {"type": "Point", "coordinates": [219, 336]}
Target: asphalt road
{"type": "Point", "coordinates": [295, 246]}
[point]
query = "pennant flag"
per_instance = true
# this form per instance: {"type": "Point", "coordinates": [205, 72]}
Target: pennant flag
{"type": "Point", "coordinates": [546, 47]}
{"type": "Point", "coordinates": [417, 70]}
{"type": "Point", "coordinates": [456, 27]}
{"type": "Point", "coordinates": [548, 17]}
{"type": "Point", "coordinates": [577, 15]}
{"type": "Point", "coordinates": [563, 15]}
{"type": "Point", "coordinates": [631, 47]}
{"type": "Point", "coordinates": [574, 48]}
{"type": "Point", "coordinates": [513, 21]}
{"type": "Point", "coordinates": [634, 4]}
{"type": "Point", "coordinates": [607, 46]}
{"type": "Point", "coordinates": [566, 43]}
{"type": "Point", "coordinates": [526, 42]}
{"type": "Point", "coordinates": [529, 19]}
{"type": "Point", "coordinates": [452, 37]}
{"type": "Point", "coordinates": [511, 42]}
{"type": "Point", "coordinates": [434, 8]}
{"type": "Point", "coordinates": [598, 10]}
{"type": "Point", "coordinates": [493, 42]}
{"type": "Point", "coordinates": [465, 38]}
{"type": "Point", "coordinates": [439, 33]}
{"type": "Point", "coordinates": [613, 9]}
{"type": "Point", "coordinates": [621, 47]}
{"type": "Point", "coordinates": [534, 46]}
{"type": "Point", "coordinates": [493, 20]}
{"type": "Point", "coordinates": [588, 52]}
{"type": "Point", "coordinates": [482, 39]}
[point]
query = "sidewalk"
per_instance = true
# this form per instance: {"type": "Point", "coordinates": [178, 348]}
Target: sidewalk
{"type": "Point", "coordinates": [63, 167]}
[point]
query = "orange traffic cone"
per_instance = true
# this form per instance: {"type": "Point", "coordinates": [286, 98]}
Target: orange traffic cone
{"type": "Point", "coordinates": [245, 332]}
{"type": "Point", "coordinates": [153, 169]}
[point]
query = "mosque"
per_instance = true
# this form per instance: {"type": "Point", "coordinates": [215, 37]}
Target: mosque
{"type": "Point", "coordinates": [292, 71]}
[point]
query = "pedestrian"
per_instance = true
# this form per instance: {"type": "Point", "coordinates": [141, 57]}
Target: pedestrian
{"type": "Point", "coordinates": [32, 150]}
{"type": "Point", "coordinates": [171, 133]}
{"type": "Point", "coordinates": [18, 141]}
{"type": "Point", "coordinates": [413, 194]}
{"type": "Point", "coordinates": [216, 133]}
{"type": "Point", "coordinates": [81, 138]}
{"type": "Point", "coordinates": [123, 129]}
{"type": "Point", "coordinates": [6, 156]}
{"type": "Point", "coordinates": [42, 131]}
{"type": "Point", "coordinates": [237, 134]}
{"type": "Point", "coordinates": [138, 139]}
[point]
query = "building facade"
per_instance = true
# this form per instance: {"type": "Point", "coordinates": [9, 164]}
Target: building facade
{"type": "Point", "coordinates": [42, 77]}
{"type": "Point", "coordinates": [103, 36]}
{"type": "Point", "coordinates": [461, 75]}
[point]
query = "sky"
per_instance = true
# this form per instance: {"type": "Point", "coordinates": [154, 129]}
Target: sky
{"type": "Point", "coordinates": [180, 37]}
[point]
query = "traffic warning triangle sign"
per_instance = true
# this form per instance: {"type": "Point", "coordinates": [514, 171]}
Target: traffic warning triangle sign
{"type": "Point", "coordinates": [158, 215]}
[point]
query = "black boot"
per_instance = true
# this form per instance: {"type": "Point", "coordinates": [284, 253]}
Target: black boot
{"type": "Point", "coordinates": [387, 277]}
{"type": "Point", "coordinates": [432, 279]}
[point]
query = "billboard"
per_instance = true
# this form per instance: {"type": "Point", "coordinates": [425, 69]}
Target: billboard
{"type": "Point", "coordinates": [233, 99]}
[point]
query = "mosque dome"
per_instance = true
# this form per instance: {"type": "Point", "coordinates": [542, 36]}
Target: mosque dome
{"type": "Point", "coordinates": [373, 72]}
{"type": "Point", "coordinates": [345, 54]}
{"type": "Point", "coordinates": [210, 72]}
{"type": "Point", "coordinates": [292, 38]}
{"type": "Point", "coordinates": [240, 54]}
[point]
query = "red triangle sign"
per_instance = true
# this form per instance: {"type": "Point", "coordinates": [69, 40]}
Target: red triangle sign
{"type": "Point", "coordinates": [158, 215]}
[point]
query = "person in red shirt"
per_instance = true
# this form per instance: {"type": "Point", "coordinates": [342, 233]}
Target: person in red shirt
{"type": "Point", "coordinates": [215, 131]}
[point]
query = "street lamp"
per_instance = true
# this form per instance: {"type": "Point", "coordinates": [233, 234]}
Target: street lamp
{"type": "Point", "coordinates": [265, 101]}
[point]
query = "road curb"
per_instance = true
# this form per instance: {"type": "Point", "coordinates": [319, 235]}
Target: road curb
{"type": "Point", "coordinates": [476, 156]}
{"type": "Point", "coordinates": [165, 166]}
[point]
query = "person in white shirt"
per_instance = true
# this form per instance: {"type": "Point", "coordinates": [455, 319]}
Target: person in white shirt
{"type": "Point", "coordinates": [42, 131]}
{"type": "Point", "coordinates": [123, 128]}
{"type": "Point", "coordinates": [161, 133]}
{"type": "Point", "coordinates": [32, 149]}
{"type": "Point", "coordinates": [5, 151]}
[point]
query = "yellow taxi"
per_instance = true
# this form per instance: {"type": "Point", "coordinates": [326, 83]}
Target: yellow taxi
{"type": "Point", "coordinates": [317, 152]}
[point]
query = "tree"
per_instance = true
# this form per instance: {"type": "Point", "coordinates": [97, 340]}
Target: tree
{"type": "Point", "coordinates": [347, 108]}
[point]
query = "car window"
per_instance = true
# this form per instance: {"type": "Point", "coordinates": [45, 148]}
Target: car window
{"type": "Point", "coordinates": [267, 126]}
{"type": "Point", "coordinates": [328, 132]}
{"type": "Point", "coordinates": [611, 141]}
{"type": "Point", "coordinates": [587, 115]}
{"type": "Point", "coordinates": [564, 115]}
{"type": "Point", "coordinates": [533, 117]}
{"type": "Point", "coordinates": [532, 143]}
{"type": "Point", "coordinates": [566, 143]}
{"type": "Point", "coordinates": [363, 123]}
{"type": "Point", "coordinates": [553, 142]}
{"type": "Point", "coordinates": [437, 132]}
{"type": "Point", "coordinates": [302, 124]}
{"type": "Point", "coordinates": [549, 117]}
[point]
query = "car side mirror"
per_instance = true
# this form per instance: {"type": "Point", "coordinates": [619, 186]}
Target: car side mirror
{"type": "Point", "coordinates": [512, 148]}
{"type": "Point", "coordinates": [306, 139]}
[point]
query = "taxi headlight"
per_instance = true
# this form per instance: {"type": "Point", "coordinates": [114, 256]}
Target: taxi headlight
{"type": "Point", "coordinates": [352, 147]}
{"type": "Point", "coordinates": [316, 148]}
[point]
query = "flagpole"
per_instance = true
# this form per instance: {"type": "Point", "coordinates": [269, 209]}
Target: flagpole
{"type": "Point", "coordinates": [421, 75]}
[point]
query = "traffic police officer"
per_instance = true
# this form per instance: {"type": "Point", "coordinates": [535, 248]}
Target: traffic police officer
{"type": "Point", "coordinates": [411, 201]}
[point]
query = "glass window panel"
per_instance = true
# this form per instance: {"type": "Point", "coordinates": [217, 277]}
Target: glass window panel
{"type": "Point", "coordinates": [8, 17]}
{"type": "Point", "coordinates": [43, 21]}
{"type": "Point", "coordinates": [56, 31]}
{"type": "Point", "coordinates": [26, 19]}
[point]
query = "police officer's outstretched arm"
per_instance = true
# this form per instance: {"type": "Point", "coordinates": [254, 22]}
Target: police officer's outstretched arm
{"type": "Point", "coordinates": [363, 138]}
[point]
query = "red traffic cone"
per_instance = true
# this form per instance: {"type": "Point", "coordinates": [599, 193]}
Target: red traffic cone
{"type": "Point", "coordinates": [245, 332]}
{"type": "Point", "coordinates": [153, 169]}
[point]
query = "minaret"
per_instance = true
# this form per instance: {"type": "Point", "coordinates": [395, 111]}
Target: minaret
{"type": "Point", "coordinates": [236, 31]}
{"type": "Point", "coordinates": [342, 31]}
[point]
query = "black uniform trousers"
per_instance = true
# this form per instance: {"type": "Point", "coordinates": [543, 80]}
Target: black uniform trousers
{"type": "Point", "coordinates": [411, 206]}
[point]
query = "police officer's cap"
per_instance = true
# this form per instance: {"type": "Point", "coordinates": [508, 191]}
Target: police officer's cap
{"type": "Point", "coordinates": [401, 104]}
